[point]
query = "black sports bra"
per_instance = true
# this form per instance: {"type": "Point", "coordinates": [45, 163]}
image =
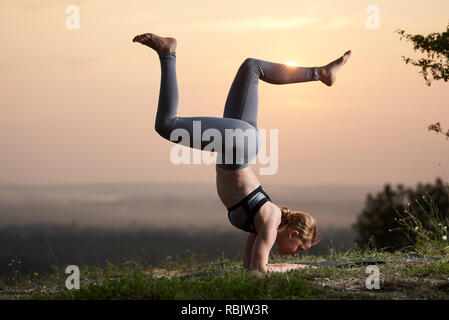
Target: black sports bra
{"type": "Point", "coordinates": [241, 215]}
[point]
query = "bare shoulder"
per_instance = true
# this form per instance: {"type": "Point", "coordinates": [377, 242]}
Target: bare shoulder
{"type": "Point", "coordinates": [270, 211]}
{"type": "Point", "coordinates": [268, 215]}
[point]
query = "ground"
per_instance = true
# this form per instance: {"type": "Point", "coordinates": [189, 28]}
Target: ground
{"type": "Point", "coordinates": [223, 279]}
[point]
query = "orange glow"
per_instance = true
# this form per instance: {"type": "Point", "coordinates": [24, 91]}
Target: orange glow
{"type": "Point", "coordinates": [79, 105]}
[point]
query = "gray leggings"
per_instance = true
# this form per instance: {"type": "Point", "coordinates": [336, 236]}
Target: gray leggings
{"type": "Point", "coordinates": [240, 110]}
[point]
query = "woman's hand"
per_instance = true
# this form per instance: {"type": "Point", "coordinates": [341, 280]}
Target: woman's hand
{"type": "Point", "coordinates": [286, 267]}
{"type": "Point", "coordinates": [303, 266]}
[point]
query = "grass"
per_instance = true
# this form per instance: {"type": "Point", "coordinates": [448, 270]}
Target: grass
{"type": "Point", "coordinates": [399, 279]}
{"type": "Point", "coordinates": [227, 280]}
{"type": "Point", "coordinates": [422, 220]}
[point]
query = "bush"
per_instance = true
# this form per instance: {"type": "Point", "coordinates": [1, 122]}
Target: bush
{"type": "Point", "coordinates": [379, 225]}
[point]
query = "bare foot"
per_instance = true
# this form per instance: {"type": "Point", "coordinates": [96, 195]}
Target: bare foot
{"type": "Point", "coordinates": [328, 73]}
{"type": "Point", "coordinates": [160, 44]}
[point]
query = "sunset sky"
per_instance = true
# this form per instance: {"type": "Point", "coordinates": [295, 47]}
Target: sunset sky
{"type": "Point", "coordinates": [78, 106]}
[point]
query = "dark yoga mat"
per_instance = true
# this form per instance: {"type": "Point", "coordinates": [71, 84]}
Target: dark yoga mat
{"type": "Point", "coordinates": [341, 263]}
{"type": "Point", "coordinates": [350, 263]}
{"type": "Point", "coordinates": [346, 263]}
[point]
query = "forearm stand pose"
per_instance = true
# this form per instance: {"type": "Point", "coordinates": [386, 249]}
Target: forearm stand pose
{"type": "Point", "coordinates": [248, 204]}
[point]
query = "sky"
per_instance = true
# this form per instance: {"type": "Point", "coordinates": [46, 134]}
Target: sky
{"type": "Point", "coordinates": [78, 105]}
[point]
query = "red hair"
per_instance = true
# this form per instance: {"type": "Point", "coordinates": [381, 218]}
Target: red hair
{"type": "Point", "coordinates": [302, 222]}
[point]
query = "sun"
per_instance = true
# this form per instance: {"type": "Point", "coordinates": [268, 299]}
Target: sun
{"type": "Point", "coordinates": [291, 63]}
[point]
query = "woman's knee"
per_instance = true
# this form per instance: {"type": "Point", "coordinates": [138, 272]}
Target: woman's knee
{"type": "Point", "coordinates": [252, 65]}
{"type": "Point", "coordinates": [162, 127]}
{"type": "Point", "coordinates": [250, 62]}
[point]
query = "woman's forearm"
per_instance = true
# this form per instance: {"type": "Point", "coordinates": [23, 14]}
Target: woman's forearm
{"type": "Point", "coordinates": [248, 250]}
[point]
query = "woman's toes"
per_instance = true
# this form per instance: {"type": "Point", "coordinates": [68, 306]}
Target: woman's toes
{"type": "Point", "coordinates": [159, 44]}
{"type": "Point", "coordinates": [142, 38]}
{"type": "Point", "coordinates": [346, 56]}
{"type": "Point", "coordinates": [138, 38]}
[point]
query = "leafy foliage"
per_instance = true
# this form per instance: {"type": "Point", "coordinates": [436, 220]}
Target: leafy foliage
{"type": "Point", "coordinates": [380, 226]}
{"type": "Point", "coordinates": [436, 46]}
{"type": "Point", "coordinates": [437, 128]}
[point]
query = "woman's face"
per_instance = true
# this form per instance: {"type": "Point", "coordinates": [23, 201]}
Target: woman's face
{"type": "Point", "coordinates": [288, 243]}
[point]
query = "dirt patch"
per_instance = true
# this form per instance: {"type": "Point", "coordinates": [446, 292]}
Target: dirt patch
{"type": "Point", "coordinates": [390, 287]}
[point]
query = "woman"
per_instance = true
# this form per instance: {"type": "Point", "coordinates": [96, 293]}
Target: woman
{"type": "Point", "coordinates": [249, 206]}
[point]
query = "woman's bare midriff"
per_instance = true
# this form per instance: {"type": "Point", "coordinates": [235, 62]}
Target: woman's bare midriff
{"type": "Point", "coordinates": [233, 186]}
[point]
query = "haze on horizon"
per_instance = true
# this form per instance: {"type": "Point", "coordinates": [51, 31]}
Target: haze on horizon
{"type": "Point", "coordinates": [78, 106]}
